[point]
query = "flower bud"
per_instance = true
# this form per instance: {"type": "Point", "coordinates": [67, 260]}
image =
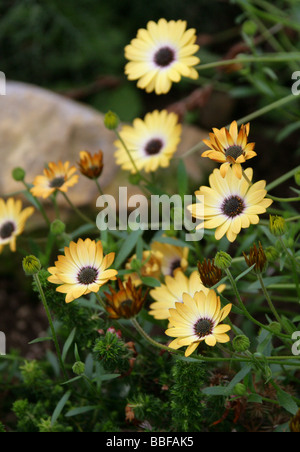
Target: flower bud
{"type": "Point", "coordinates": [275, 327]}
{"type": "Point", "coordinates": [297, 178]}
{"type": "Point", "coordinates": [277, 225]}
{"type": "Point", "coordinates": [249, 28]}
{"type": "Point", "coordinates": [241, 343]}
{"type": "Point", "coordinates": [57, 227]}
{"type": "Point", "coordinates": [223, 260]}
{"type": "Point", "coordinates": [257, 257]}
{"type": "Point", "coordinates": [31, 265]}
{"type": "Point", "coordinates": [18, 174]}
{"type": "Point", "coordinates": [272, 254]}
{"type": "Point", "coordinates": [78, 368]}
{"type": "Point", "coordinates": [239, 389]}
{"type": "Point", "coordinates": [111, 120]}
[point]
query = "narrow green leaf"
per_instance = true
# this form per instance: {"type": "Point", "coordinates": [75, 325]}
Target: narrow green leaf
{"type": "Point", "coordinates": [149, 281]}
{"type": "Point", "coordinates": [239, 376]}
{"type": "Point", "coordinates": [60, 407]}
{"type": "Point", "coordinates": [255, 398]}
{"type": "Point", "coordinates": [68, 344]}
{"type": "Point", "coordinates": [73, 380]}
{"type": "Point", "coordinates": [286, 401]}
{"type": "Point", "coordinates": [81, 410]}
{"type": "Point", "coordinates": [40, 339]}
{"type": "Point", "coordinates": [127, 248]}
{"type": "Point", "coordinates": [248, 270]}
{"type": "Point", "coordinates": [216, 391]}
{"type": "Point", "coordinates": [182, 179]}
{"type": "Point", "coordinates": [76, 353]}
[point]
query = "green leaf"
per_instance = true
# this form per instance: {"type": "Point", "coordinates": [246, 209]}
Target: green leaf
{"type": "Point", "coordinates": [239, 376]}
{"type": "Point", "coordinates": [108, 377]}
{"type": "Point", "coordinates": [76, 353]}
{"type": "Point", "coordinates": [216, 391]}
{"type": "Point", "coordinates": [255, 398]}
{"type": "Point", "coordinates": [245, 272]}
{"type": "Point", "coordinates": [127, 248]}
{"type": "Point", "coordinates": [40, 339]}
{"type": "Point", "coordinates": [286, 401]}
{"type": "Point", "coordinates": [60, 407]}
{"type": "Point", "coordinates": [81, 410]}
{"type": "Point", "coordinates": [182, 179]}
{"type": "Point", "coordinates": [79, 377]}
{"type": "Point", "coordinates": [149, 281]}
{"type": "Point", "coordinates": [68, 344]}
{"type": "Point", "coordinates": [81, 231]}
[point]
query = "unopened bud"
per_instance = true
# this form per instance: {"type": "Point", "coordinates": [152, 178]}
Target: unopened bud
{"type": "Point", "coordinates": [239, 389]}
{"type": "Point", "coordinates": [78, 368]}
{"type": "Point", "coordinates": [223, 260]}
{"type": "Point", "coordinates": [18, 174]}
{"type": "Point", "coordinates": [57, 227]}
{"type": "Point", "coordinates": [31, 265]}
{"type": "Point", "coordinates": [241, 343]}
{"type": "Point", "coordinates": [111, 120]}
{"type": "Point", "coordinates": [277, 225]}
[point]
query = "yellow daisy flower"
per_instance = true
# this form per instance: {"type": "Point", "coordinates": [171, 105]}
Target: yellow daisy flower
{"type": "Point", "coordinates": [198, 319]}
{"type": "Point", "coordinates": [173, 257]}
{"type": "Point", "coordinates": [82, 270]}
{"type": "Point", "coordinates": [151, 142]}
{"type": "Point", "coordinates": [170, 293]}
{"type": "Point", "coordinates": [56, 177]}
{"type": "Point", "coordinates": [12, 221]}
{"type": "Point", "coordinates": [230, 147]}
{"type": "Point", "coordinates": [230, 203]}
{"type": "Point", "coordinates": [161, 55]}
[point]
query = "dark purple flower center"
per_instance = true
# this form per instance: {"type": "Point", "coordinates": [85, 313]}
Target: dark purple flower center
{"type": "Point", "coordinates": [154, 146]}
{"type": "Point", "coordinates": [7, 230]}
{"type": "Point", "coordinates": [164, 56]}
{"type": "Point", "coordinates": [233, 206]}
{"type": "Point", "coordinates": [88, 275]}
{"type": "Point", "coordinates": [203, 327]}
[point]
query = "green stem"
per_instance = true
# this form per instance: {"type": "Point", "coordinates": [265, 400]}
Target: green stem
{"type": "Point", "coordinates": [54, 200]}
{"type": "Point", "coordinates": [79, 213]}
{"type": "Point", "coordinates": [270, 359]}
{"type": "Point", "coordinates": [294, 264]}
{"type": "Point", "coordinates": [283, 178]}
{"type": "Point", "coordinates": [246, 177]}
{"type": "Point", "coordinates": [99, 187]}
{"type": "Point", "coordinates": [270, 303]}
{"type": "Point", "coordinates": [246, 312]}
{"type": "Point", "coordinates": [297, 199]}
{"type": "Point", "coordinates": [130, 157]}
{"type": "Point", "coordinates": [266, 58]}
{"type": "Point", "coordinates": [45, 304]}
{"type": "Point", "coordinates": [40, 207]}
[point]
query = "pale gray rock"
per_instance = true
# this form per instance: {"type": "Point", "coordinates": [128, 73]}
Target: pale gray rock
{"type": "Point", "coordinates": [38, 126]}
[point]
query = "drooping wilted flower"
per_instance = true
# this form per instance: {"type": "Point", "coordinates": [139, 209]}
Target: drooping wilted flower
{"type": "Point", "coordinates": [126, 302]}
{"type": "Point", "coordinates": [256, 257]}
{"type": "Point", "coordinates": [91, 166]}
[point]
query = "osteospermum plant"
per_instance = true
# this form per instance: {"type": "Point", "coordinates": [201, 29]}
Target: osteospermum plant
{"type": "Point", "coordinates": [165, 327]}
